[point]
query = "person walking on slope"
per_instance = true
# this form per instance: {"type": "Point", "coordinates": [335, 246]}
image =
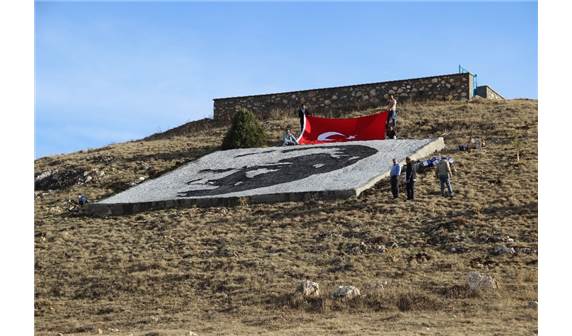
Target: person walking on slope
{"type": "Point", "coordinates": [392, 108]}
{"type": "Point", "coordinates": [444, 173]}
{"type": "Point", "coordinates": [394, 178]}
{"type": "Point", "coordinates": [302, 113]}
{"type": "Point", "coordinates": [410, 177]}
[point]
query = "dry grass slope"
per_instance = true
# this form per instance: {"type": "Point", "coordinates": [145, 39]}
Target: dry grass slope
{"type": "Point", "coordinates": [222, 271]}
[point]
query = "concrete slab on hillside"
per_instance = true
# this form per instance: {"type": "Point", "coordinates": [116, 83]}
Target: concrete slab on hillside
{"type": "Point", "coordinates": [271, 174]}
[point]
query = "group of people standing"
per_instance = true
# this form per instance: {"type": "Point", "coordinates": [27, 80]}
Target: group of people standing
{"type": "Point", "coordinates": [442, 171]}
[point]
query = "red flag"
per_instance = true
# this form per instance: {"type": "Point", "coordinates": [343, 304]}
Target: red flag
{"type": "Point", "coordinates": [325, 130]}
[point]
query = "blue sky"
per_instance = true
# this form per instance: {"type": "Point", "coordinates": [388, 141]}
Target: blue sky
{"type": "Point", "coordinates": [109, 72]}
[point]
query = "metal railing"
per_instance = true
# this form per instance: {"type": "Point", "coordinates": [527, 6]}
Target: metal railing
{"type": "Point", "coordinates": [465, 70]}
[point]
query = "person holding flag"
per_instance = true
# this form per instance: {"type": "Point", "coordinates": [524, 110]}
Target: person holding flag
{"type": "Point", "coordinates": [392, 108]}
{"type": "Point", "coordinates": [302, 113]}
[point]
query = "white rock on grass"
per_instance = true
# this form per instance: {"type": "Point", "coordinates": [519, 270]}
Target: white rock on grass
{"type": "Point", "coordinates": [478, 281]}
{"type": "Point", "coordinates": [309, 288]}
{"type": "Point", "coordinates": [346, 292]}
{"type": "Point", "coordinates": [502, 249]}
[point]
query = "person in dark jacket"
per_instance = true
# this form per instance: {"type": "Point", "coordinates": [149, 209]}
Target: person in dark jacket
{"type": "Point", "coordinates": [410, 177]}
{"type": "Point", "coordinates": [302, 113]}
{"type": "Point", "coordinates": [391, 133]}
{"type": "Point", "coordinates": [82, 200]}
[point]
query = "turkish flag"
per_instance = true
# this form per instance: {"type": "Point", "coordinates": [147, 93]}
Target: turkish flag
{"type": "Point", "coordinates": [325, 130]}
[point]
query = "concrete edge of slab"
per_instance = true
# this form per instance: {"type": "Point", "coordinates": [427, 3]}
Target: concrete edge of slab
{"type": "Point", "coordinates": [118, 209]}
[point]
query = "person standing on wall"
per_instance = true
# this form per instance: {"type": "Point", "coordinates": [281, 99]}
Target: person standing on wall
{"type": "Point", "coordinates": [394, 178]}
{"type": "Point", "coordinates": [392, 108]}
{"type": "Point", "coordinates": [410, 177]}
{"type": "Point", "coordinates": [302, 113]}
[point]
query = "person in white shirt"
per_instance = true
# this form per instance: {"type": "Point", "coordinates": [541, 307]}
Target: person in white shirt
{"type": "Point", "coordinates": [394, 174]}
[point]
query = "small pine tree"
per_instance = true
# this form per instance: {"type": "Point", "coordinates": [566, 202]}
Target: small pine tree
{"type": "Point", "coordinates": [245, 131]}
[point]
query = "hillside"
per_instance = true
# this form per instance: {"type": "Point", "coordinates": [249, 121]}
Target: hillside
{"type": "Point", "coordinates": [221, 271]}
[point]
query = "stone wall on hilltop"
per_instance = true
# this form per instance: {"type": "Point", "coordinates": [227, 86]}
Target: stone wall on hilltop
{"type": "Point", "coordinates": [332, 101]}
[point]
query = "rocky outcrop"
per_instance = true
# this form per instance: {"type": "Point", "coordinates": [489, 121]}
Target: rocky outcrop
{"type": "Point", "coordinates": [345, 292]}
{"type": "Point", "coordinates": [478, 281]}
{"type": "Point", "coordinates": [308, 288]}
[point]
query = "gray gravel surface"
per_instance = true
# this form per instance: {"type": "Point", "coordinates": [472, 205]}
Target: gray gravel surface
{"type": "Point", "coordinates": [274, 170]}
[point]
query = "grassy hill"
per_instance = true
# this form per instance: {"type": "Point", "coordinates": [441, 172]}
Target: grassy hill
{"type": "Point", "coordinates": [222, 271]}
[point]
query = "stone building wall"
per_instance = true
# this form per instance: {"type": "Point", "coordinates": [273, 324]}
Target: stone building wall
{"type": "Point", "coordinates": [332, 101]}
{"type": "Point", "coordinates": [486, 91]}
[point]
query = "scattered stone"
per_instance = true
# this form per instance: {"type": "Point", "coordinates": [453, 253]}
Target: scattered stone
{"type": "Point", "coordinates": [420, 257]}
{"type": "Point", "coordinates": [346, 292]}
{"type": "Point", "coordinates": [58, 179]}
{"type": "Point", "coordinates": [533, 304]}
{"type": "Point", "coordinates": [56, 210]}
{"type": "Point", "coordinates": [361, 248]}
{"type": "Point", "coordinates": [376, 285]}
{"type": "Point", "coordinates": [63, 178]}
{"type": "Point", "coordinates": [486, 261]}
{"type": "Point", "coordinates": [502, 249]}
{"type": "Point", "coordinates": [525, 250]}
{"type": "Point", "coordinates": [101, 158]}
{"type": "Point", "coordinates": [458, 249]}
{"type": "Point", "coordinates": [308, 288]}
{"type": "Point", "coordinates": [193, 333]}
{"type": "Point", "coordinates": [478, 281]}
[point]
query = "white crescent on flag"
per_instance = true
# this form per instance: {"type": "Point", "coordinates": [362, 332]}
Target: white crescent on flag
{"type": "Point", "coordinates": [324, 136]}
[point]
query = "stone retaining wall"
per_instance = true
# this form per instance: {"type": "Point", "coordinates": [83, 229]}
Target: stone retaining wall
{"type": "Point", "coordinates": [332, 101]}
